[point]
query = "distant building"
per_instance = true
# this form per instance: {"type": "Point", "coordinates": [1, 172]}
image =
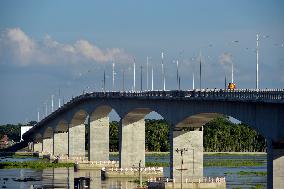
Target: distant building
{"type": "Point", "coordinates": [25, 129]}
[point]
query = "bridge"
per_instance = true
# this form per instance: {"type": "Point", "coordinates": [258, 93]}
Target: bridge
{"type": "Point", "coordinates": [63, 131]}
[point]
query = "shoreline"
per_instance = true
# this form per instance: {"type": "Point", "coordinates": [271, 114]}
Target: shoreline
{"type": "Point", "coordinates": [205, 153]}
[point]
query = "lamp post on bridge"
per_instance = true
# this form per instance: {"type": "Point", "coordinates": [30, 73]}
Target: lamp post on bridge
{"type": "Point", "coordinates": [141, 78]}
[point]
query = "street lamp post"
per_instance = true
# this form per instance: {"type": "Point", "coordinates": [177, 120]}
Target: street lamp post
{"type": "Point", "coordinates": [257, 39]}
{"type": "Point", "coordinates": [140, 175]}
{"type": "Point", "coordinates": [181, 168]}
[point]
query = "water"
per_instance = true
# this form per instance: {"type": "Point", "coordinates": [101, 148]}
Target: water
{"type": "Point", "coordinates": [64, 177]}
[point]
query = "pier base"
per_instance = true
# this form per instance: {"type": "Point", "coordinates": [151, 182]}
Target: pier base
{"type": "Point", "coordinates": [192, 142]}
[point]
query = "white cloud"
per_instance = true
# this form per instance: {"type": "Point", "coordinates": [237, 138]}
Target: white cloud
{"type": "Point", "coordinates": [18, 48]}
{"type": "Point", "coordinates": [225, 58]}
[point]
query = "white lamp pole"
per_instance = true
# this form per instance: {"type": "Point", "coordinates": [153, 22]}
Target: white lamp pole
{"type": "Point", "coordinates": [52, 103]}
{"type": "Point", "coordinates": [113, 76]}
{"type": "Point", "coordinates": [134, 75]}
{"type": "Point", "coordinates": [257, 39]}
{"type": "Point", "coordinates": [152, 79]}
{"type": "Point", "coordinates": [163, 72]}
{"type": "Point", "coordinates": [147, 73]}
{"type": "Point", "coordinates": [193, 87]}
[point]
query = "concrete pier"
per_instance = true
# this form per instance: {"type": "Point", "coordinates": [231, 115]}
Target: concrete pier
{"type": "Point", "coordinates": [37, 147]}
{"type": "Point", "coordinates": [47, 145]}
{"type": "Point", "coordinates": [99, 137]}
{"type": "Point", "coordinates": [275, 165]}
{"type": "Point", "coordinates": [192, 141]}
{"type": "Point", "coordinates": [76, 140]}
{"type": "Point", "coordinates": [60, 143]}
{"type": "Point", "coordinates": [132, 142]}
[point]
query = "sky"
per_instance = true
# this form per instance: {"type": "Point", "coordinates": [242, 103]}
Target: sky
{"type": "Point", "coordinates": [62, 48]}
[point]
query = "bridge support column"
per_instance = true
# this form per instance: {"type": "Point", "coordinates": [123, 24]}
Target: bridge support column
{"type": "Point", "coordinates": [76, 140]}
{"type": "Point", "coordinates": [99, 139]}
{"type": "Point", "coordinates": [47, 145]}
{"type": "Point", "coordinates": [60, 143]}
{"type": "Point", "coordinates": [37, 146]}
{"type": "Point", "coordinates": [275, 165]}
{"type": "Point", "coordinates": [192, 141]}
{"type": "Point", "coordinates": [132, 143]}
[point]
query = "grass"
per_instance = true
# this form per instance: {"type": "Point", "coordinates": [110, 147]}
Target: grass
{"type": "Point", "coordinates": [21, 156]}
{"type": "Point", "coordinates": [39, 164]}
{"type": "Point", "coordinates": [234, 153]}
{"type": "Point", "coordinates": [255, 173]}
{"type": "Point", "coordinates": [219, 163]}
{"type": "Point", "coordinates": [232, 163]}
{"type": "Point", "coordinates": [258, 186]}
{"type": "Point", "coordinates": [157, 164]}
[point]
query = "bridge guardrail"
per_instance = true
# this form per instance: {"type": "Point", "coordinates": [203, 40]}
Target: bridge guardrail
{"type": "Point", "coordinates": [248, 94]}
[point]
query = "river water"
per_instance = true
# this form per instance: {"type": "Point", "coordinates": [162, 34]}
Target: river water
{"type": "Point", "coordinates": [65, 177]}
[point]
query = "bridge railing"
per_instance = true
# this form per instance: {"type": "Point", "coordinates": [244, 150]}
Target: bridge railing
{"type": "Point", "coordinates": [249, 94]}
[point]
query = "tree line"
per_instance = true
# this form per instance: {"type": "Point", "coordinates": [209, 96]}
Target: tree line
{"type": "Point", "coordinates": [220, 135]}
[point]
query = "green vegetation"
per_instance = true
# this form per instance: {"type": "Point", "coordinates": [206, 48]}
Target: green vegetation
{"type": "Point", "coordinates": [232, 163]}
{"type": "Point", "coordinates": [113, 136]}
{"type": "Point", "coordinates": [259, 186]}
{"type": "Point", "coordinates": [13, 131]}
{"type": "Point", "coordinates": [254, 173]}
{"type": "Point", "coordinates": [157, 164]}
{"type": "Point", "coordinates": [157, 136]}
{"type": "Point", "coordinates": [157, 154]}
{"type": "Point", "coordinates": [40, 164]}
{"type": "Point", "coordinates": [221, 135]}
{"type": "Point", "coordinates": [22, 156]}
{"type": "Point", "coordinates": [218, 163]}
{"type": "Point", "coordinates": [234, 154]}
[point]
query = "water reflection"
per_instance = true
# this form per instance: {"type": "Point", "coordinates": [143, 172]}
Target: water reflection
{"type": "Point", "coordinates": [65, 177]}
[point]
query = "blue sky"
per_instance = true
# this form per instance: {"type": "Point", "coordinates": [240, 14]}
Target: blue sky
{"type": "Point", "coordinates": [50, 45]}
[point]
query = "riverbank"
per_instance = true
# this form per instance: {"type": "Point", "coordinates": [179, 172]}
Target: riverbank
{"type": "Point", "coordinates": [38, 164]}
